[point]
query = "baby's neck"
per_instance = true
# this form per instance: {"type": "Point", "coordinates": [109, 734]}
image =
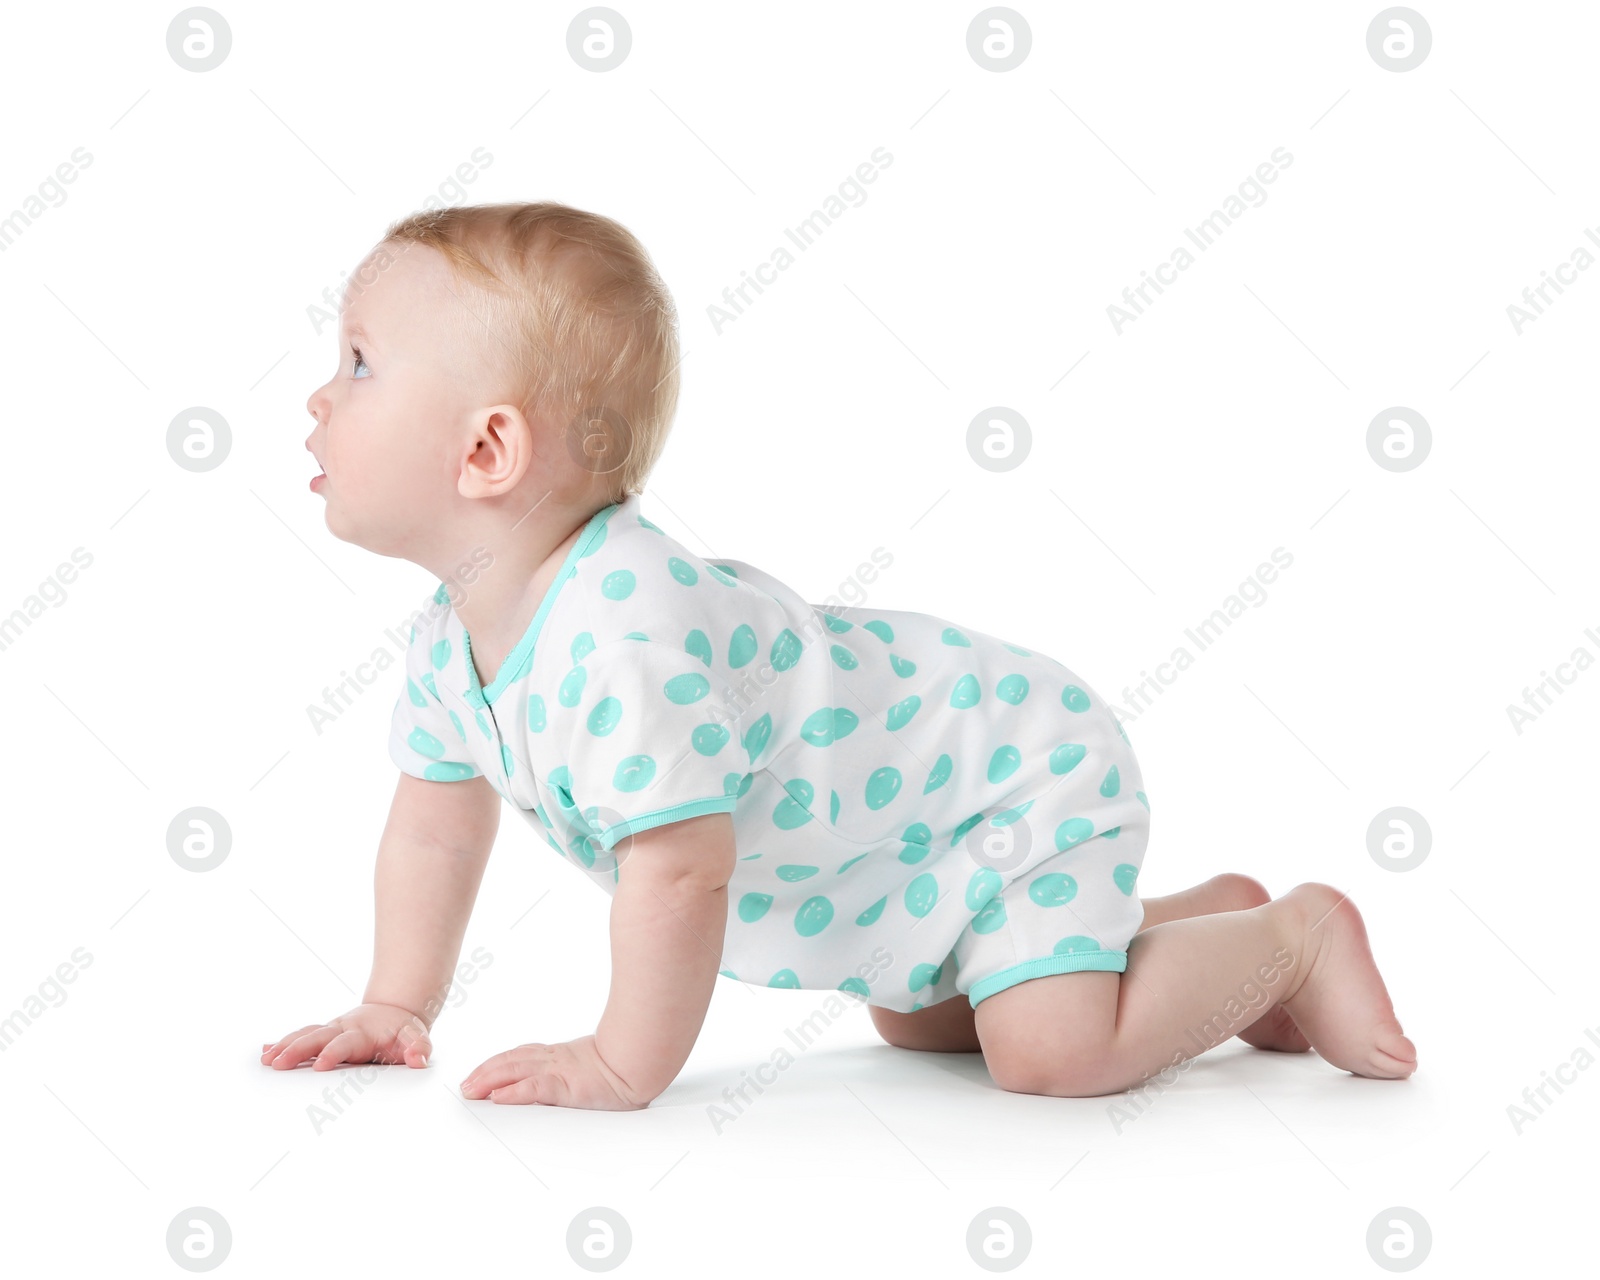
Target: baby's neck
{"type": "Point", "coordinates": [504, 584]}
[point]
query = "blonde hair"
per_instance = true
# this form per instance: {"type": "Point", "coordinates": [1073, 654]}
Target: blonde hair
{"type": "Point", "coordinates": [576, 306]}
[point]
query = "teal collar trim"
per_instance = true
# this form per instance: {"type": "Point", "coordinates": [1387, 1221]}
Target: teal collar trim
{"type": "Point", "coordinates": [521, 658]}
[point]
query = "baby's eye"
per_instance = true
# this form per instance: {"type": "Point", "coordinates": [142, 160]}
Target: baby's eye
{"type": "Point", "coordinates": [358, 362]}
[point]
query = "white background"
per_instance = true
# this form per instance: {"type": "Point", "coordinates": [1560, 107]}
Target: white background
{"type": "Point", "coordinates": [828, 420]}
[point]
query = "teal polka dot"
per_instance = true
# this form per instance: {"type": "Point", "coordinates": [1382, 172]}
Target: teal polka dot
{"type": "Point", "coordinates": [1053, 890]}
{"type": "Point", "coordinates": [636, 635]}
{"type": "Point", "coordinates": [439, 597]}
{"type": "Point", "coordinates": [1124, 876]}
{"type": "Point", "coordinates": [440, 654]}
{"type": "Point", "coordinates": [880, 629]}
{"type": "Point", "coordinates": [428, 684]}
{"type": "Point", "coordinates": [572, 687]}
{"type": "Point", "coordinates": [1143, 799]}
{"type": "Point", "coordinates": [966, 693]}
{"type": "Point", "coordinates": [736, 784]}
{"type": "Point", "coordinates": [952, 636]}
{"type": "Point", "coordinates": [1003, 763]}
{"type": "Point", "coordinates": [966, 826]}
{"type": "Point", "coordinates": [793, 810]}
{"type": "Point", "coordinates": [883, 786]}
{"type": "Point", "coordinates": [785, 650]}
{"type": "Point", "coordinates": [483, 725]}
{"type": "Point", "coordinates": [683, 571]}
{"type": "Point", "coordinates": [634, 773]}
{"type": "Point", "coordinates": [835, 623]}
{"type": "Point", "coordinates": [417, 700]}
{"type": "Point", "coordinates": [655, 529]}
{"type": "Point", "coordinates": [460, 728]}
{"type": "Point", "coordinates": [699, 645]}
{"type": "Point", "coordinates": [753, 906]}
{"type": "Point", "coordinates": [617, 585]}
{"type": "Point", "coordinates": [727, 570]}
{"type": "Point", "coordinates": [900, 714]}
{"type": "Point", "coordinates": [708, 739]}
{"type": "Point", "coordinates": [855, 986]}
{"type": "Point", "coordinates": [506, 761]}
{"type": "Point", "coordinates": [1012, 689]}
{"type": "Point", "coordinates": [848, 863]}
{"type": "Point", "coordinates": [784, 978]}
{"type": "Point", "coordinates": [603, 719]}
{"type": "Point", "coordinates": [1111, 833]}
{"type": "Point", "coordinates": [1074, 698]}
{"type": "Point", "coordinates": [1073, 831]}
{"type": "Point", "coordinates": [833, 806]}
{"type": "Point", "coordinates": [755, 739]}
{"type": "Point", "coordinates": [687, 688]}
{"type": "Point", "coordinates": [795, 871]}
{"type": "Point", "coordinates": [921, 894]}
{"type": "Point", "coordinates": [826, 726]}
{"type": "Point", "coordinates": [582, 645]}
{"type": "Point", "coordinates": [742, 645]}
{"type": "Point", "coordinates": [1025, 653]}
{"type": "Point", "coordinates": [939, 774]}
{"type": "Point", "coordinates": [814, 915]}
{"type": "Point", "coordinates": [1067, 757]}
{"type": "Point", "coordinates": [1077, 942]}
{"type": "Point", "coordinates": [902, 666]}
{"type": "Point", "coordinates": [536, 714]}
{"type": "Point", "coordinates": [425, 744]}
{"type": "Point", "coordinates": [871, 914]}
{"type": "Point", "coordinates": [448, 771]}
{"type": "Point", "coordinates": [923, 975]}
{"type": "Point", "coordinates": [918, 843]}
{"type": "Point", "coordinates": [985, 883]}
{"type": "Point", "coordinates": [843, 658]}
{"type": "Point", "coordinates": [1112, 783]}
{"type": "Point", "coordinates": [992, 917]}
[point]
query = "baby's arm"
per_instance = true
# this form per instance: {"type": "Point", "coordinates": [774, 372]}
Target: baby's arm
{"type": "Point", "coordinates": [431, 860]}
{"type": "Point", "coordinates": [668, 916]}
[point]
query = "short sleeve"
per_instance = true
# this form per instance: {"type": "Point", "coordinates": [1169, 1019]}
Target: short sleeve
{"type": "Point", "coordinates": [649, 739]}
{"type": "Point", "coordinates": [426, 739]}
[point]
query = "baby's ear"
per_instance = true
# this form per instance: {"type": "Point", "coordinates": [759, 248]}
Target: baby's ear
{"type": "Point", "coordinates": [497, 450]}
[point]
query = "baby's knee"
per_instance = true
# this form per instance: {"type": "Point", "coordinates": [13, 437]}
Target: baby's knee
{"type": "Point", "coordinates": [1060, 1066]}
{"type": "Point", "coordinates": [1241, 890]}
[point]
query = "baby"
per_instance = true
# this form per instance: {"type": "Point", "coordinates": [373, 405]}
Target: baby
{"type": "Point", "coordinates": [947, 826]}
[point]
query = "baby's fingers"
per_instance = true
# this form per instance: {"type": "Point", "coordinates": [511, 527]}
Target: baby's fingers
{"type": "Point", "coordinates": [271, 1051]}
{"type": "Point", "coordinates": [302, 1047]}
{"type": "Point", "coordinates": [346, 1046]}
{"type": "Point", "coordinates": [541, 1087]}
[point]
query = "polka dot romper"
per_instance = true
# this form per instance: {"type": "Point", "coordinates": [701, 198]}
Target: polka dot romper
{"type": "Point", "coordinates": [921, 810]}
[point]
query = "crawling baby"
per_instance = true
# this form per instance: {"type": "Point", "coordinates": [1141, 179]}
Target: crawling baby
{"type": "Point", "coordinates": [898, 809]}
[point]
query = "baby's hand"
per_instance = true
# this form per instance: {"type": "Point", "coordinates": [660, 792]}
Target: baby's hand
{"type": "Point", "coordinates": [557, 1075]}
{"type": "Point", "coordinates": [368, 1033]}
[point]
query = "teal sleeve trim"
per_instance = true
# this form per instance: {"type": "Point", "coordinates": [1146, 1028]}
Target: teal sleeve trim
{"type": "Point", "coordinates": [660, 817]}
{"type": "Point", "coordinates": [1067, 962]}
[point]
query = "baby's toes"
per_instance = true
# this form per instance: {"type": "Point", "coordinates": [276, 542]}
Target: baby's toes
{"type": "Point", "coordinates": [1393, 1056]}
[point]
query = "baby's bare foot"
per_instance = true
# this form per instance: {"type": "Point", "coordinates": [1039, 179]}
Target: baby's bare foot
{"type": "Point", "coordinates": [1275, 1030]}
{"type": "Point", "coordinates": [1341, 1004]}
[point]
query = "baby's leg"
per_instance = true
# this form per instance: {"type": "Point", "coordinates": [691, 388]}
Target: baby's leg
{"type": "Point", "coordinates": [1275, 1029]}
{"type": "Point", "coordinates": [950, 1025]}
{"type": "Point", "coordinates": [1187, 988]}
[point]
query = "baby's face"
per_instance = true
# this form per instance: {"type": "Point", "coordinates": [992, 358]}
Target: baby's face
{"type": "Point", "coordinates": [394, 423]}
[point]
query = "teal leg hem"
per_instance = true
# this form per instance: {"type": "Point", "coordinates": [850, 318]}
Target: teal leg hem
{"type": "Point", "coordinates": [1067, 962]}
